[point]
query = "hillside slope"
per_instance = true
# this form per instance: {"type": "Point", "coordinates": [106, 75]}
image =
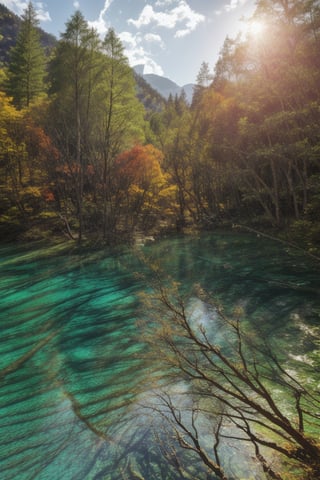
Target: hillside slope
{"type": "Point", "coordinates": [167, 87]}
{"type": "Point", "coordinates": [9, 28]}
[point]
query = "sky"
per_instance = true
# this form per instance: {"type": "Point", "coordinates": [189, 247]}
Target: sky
{"type": "Point", "coordinates": [170, 37]}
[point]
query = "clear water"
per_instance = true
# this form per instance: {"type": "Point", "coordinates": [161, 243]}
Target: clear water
{"type": "Point", "coordinates": [70, 370]}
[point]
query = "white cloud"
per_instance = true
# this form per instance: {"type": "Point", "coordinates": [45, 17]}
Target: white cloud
{"type": "Point", "coordinates": [232, 5]}
{"type": "Point", "coordinates": [137, 54]}
{"type": "Point", "coordinates": [154, 38]}
{"type": "Point", "coordinates": [174, 15]}
{"type": "Point", "coordinates": [181, 33]}
{"type": "Point", "coordinates": [163, 3]}
{"type": "Point", "coordinates": [150, 66]}
{"type": "Point", "coordinates": [42, 14]}
{"type": "Point", "coordinates": [170, 18]}
{"type": "Point", "coordinates": [76, 4]}
{"type": "Point", "coordinates": [101, 25]}
{"type": "Point", "coordinates": [129, 40]}
{"type": "Point", "coordinates": [16, 6]}
{"type": "Point", "coordinates": [19, 6]}
{"type": "Point", "coordinates": [145, 18]}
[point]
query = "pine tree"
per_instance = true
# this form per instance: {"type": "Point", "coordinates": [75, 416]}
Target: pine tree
{"type": "Point", "coordinates": [95, 116]}
{"type": "Point", "coordinates": [204, 77]}
{"type": "Point", "coordinates": [74, 76]}
{"type": "Point", "coordinates": [27, 66]}
{"type": "Point", "coordinates": [123, 114]}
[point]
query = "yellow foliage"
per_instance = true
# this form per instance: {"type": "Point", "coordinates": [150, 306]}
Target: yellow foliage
{"type": "Point", "coordinates": [10, 119]}
{"type": "Point", "coordinates": [8, 112]}
{"type": "Point", "coordinates": [32, 191]}
{"type": "Point", "coordinates": [135, 190]}
{"type": "Point", "coordinates": [168, 192]}
{"type": "Point", "coordinates": [238, 311]}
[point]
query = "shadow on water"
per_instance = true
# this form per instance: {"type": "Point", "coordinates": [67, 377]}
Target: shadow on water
{"type": "Point", "coordinates": [72, 377]}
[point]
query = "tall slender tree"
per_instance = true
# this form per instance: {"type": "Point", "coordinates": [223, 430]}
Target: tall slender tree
{"type": "Point", "coordinates": [123, 117]}
{"type": "Point", "coordinates": [96, 116]}
{"type": "Point", "coordinates": [72, 71]}
{"type": "Point", "coordinates": [27, 66]}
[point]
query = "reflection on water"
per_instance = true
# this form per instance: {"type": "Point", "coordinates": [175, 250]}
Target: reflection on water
{"type": "Point", "coordinates": [70, 370]}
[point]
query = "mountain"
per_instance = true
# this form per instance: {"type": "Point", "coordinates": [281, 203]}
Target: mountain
{"type": "Point", "coordinates": [152, 100]}
{"type": "Point", "coordinates": [153, 90]}
{"type": "Point", "coordinates": [165, 86]}
{"type": "Point", "coordinates": [9, 28]}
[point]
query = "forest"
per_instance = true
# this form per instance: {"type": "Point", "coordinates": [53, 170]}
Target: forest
{"type": "Point", "coordinates": [195, 357]}
{"type": "Point", "coordinates": [82, 156]}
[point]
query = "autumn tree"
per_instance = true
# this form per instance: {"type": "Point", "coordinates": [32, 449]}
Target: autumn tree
{"type": "Point", "coordinates": [121, 120]}
{"type": "Point", "coordinates": [251, 144]}
{"type": "Point", "coordinates": [12, 156]}
{"type": "Point", "coordinates": [174, 134]}
{"type": "Point", "coordinates": [143, 196]}
{"type": "Point", "coordinates": [99, 116]}
{"type": "Point", "coordinates": [25, 155]}
{"type": "Point", "coordinates": [26, 70]}
{"type": "Point", "coordinates": [277, 140]}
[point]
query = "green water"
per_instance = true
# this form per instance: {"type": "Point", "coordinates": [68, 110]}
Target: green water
{"type": "Point", "coordinates": [71, 373]}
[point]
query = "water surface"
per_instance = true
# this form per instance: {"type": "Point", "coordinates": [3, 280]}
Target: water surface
{"type": "Point", "coordinates": [71, 371]}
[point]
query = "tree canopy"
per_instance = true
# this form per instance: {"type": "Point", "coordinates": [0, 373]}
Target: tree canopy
{"type": "Point", "coordinates": [27, 62]}
{"type": "Point", "coordinates": [245, 152]}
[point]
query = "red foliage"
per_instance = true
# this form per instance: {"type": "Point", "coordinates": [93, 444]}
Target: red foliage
{"type": "Point", "coordinates": [140, 164]}
{"type": "Point", "coordinates": [39, 144]}
{"type": "Point", "coordinates": [90, 169]}
{"type": "Point", "coordinates": [48, 195]}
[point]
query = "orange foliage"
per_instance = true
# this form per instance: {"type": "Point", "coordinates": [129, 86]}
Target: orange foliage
{"type": "Point", "coordinates": [38, 143]}
{"type": "Point", "coordinates": [48, 195]}
{"type": "Point", "coordinates": [140, 166]}
{"type": "Point", "coordinates": [67, 169]}
{"type": "Point", "coordinates": [90, 169]}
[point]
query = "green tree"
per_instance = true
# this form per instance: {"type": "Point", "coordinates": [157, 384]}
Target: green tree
{"type": "Point", "coordinates": [121, 120]}
{"type": "Point", "coordinates": [74, 71]}
{"type": "Point", "coordinates": [174, 133]}
{"type": "Point", "coordinates": [260, 141]}
{"type": "Point", "coordinates": [204, 77]}
{"type": "Point", "coordinates": [95, 116]}
{"type": "Point", "coordinates": [27, 62]}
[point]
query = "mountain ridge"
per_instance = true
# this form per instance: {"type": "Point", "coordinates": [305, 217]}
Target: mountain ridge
{"type": "Point", "coordinates": [152, 95]}
{"type": "Point", "coordinates": [9, 28]}
{"type": "Point", "coordinates": [164, 85]}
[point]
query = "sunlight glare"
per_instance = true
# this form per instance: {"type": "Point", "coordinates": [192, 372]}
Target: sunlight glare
{"type": "Point", "coordinates": [255, 28]}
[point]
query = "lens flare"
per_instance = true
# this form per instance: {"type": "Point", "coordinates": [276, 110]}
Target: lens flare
{"type": "Point", "coordinates": [255, 28]}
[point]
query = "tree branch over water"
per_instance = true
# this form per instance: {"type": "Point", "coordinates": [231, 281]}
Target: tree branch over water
{"type": "Point", "coordinates": [279, 240]}
{"type": "Point", "coordinates": [235, 384]}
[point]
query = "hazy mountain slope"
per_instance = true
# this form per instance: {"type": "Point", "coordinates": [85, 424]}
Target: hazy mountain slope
{"type": "Point", "coordinates": [9, 27]}
{"type": "Point", "coordinates": [167, 87]}
{"type": "Point", "coordinates": [152, 100]}
{"type": "Point", "coordinates": [162, 85]}
{"type": "Point", "coordinates": [152, 90]}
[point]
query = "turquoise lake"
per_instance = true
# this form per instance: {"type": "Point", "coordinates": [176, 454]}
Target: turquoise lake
{"type": "Point", "coordinates": [72, 373]}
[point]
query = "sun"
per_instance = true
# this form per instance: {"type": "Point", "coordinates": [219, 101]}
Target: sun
{"type": "Point", "coordinates": [252, 28]}
{"type": "Point", "coordinates": [255, 28]}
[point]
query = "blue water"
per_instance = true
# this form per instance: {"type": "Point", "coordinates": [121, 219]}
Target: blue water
{"type": "Point", "coordinates": [72, 372]}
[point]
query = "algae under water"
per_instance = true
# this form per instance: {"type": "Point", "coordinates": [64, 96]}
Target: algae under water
{"type": "Point", "coordinates": [70, 369]}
